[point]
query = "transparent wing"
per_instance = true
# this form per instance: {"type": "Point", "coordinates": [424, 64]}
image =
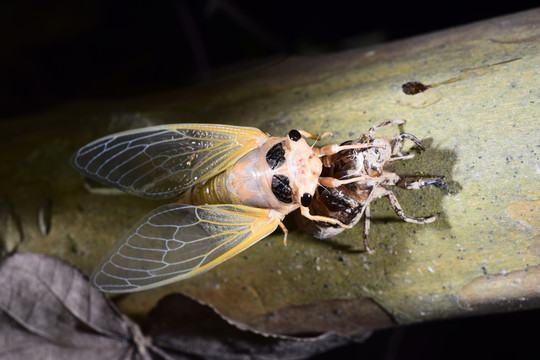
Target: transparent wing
{"type": "Point", "coordinates": [178, 241]}
{"type": "Point", "coordinates": [161, 162]}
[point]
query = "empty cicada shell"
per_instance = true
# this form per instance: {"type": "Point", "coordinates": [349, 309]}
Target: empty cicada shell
{"type": "Point", "coordinates": [351, 200]}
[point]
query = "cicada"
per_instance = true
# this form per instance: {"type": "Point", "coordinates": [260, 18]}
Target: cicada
{"type": "Point", "coordinates": [231, 186]}
{"type": "Point", "coordinates": [350, 201]}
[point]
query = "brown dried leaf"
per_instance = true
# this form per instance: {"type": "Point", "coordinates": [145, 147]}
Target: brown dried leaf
{"type": "Point", "coordinates": [183, 325]}
{"type": "Point", "coordinates": [48, 309]}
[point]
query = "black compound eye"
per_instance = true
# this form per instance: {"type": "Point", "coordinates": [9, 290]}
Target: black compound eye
{"type": "Point", "coordinates": [306, 200]}
{"type": "Point", "coordinates": [275, 157]}
{"type": "Point", "coordinates": [281, 188]}
{"type": "Point", "coordinates": [294, 135]}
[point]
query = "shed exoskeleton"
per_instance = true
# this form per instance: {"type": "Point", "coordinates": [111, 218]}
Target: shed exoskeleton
{"type": "Point", "coordinates": [351, 200]}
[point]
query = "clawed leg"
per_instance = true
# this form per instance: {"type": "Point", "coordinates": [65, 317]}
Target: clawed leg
{"type": "Point", "coordinates": [396, 141]}
{"type": "Point", "coordinates": [379, 192]}
{"type": "Point", "coordinates": [435, 182]}
{"type": "Point", "coordinates": [417, 183]}
{"type": "Point", "coordinates": [367, 221]}
{"type": "Point", "coordinates": [397, 144]}
{"type": "Point", "coordinates": [399, 211]}
{"type": "Point", "coordinates": [371, 132]}
{"type": "Point", "coordinates": [305, 212]}
{"type": "Point", "coordinates": [398, 158]}
{"type": "Point", "coordinates": [413, 138]}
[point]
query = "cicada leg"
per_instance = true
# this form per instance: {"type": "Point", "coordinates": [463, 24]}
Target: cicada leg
{"type": "Point", "coordinates": [417, 183]}
{"type": "Point", "coordinates": [399, 158]}
{"type": "Point", "coordinates": [367, 222]}
{"type": "Point", "coordinates": [397, 144]}
{"type": "Point", "coordinates": [305, 212]}
{"type": "Point", "coordinates": [371, 132]}
{"type": "Point", "coordinates": [399, 211]}
{"type": "Point", "coordinates": [313, 136]}
{"type": "Point", "coordinates": [285, 232]}
{"type": "Point", "coordinates": [379, 192]}
{"type": "Point", "coordinates": [333, 182]}
{"type": "Point", "coordinates": [335, 148]}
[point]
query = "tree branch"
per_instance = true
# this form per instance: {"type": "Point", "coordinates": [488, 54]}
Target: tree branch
{"type": "Point", "coordinates": [469, 94]}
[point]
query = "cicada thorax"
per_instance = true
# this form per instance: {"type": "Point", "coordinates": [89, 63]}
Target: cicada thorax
{"type": "Point", "coordinates": [277, 175]}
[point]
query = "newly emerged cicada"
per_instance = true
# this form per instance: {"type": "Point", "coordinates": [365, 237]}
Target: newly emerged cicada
{"type": "Point", "coordinates": [349, 202]}
{"type": "Point", "coordinates": [236, 186]}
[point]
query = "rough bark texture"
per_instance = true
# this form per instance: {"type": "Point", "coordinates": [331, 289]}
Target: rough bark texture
{"type": "Point", "coordinates": [478, 116]}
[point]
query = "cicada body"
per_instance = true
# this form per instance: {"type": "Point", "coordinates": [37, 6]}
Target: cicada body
{"type": "Point", "coordinates": [365, 167]}
{"type": "Point", "coordinates": [233, 186]}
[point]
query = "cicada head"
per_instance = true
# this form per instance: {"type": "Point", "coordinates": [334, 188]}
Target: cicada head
{"type": "Point", "coordinates": [304, 167]}
{"type": "Point", "coordinates": [282, 174]}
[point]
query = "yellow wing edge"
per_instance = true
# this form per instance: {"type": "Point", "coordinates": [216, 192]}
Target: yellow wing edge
{"type": "Point", "coordinates": [266, 222]}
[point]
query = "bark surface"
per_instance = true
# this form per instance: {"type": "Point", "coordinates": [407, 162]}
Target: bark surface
{"type": "Point", "coordinates": [470, 94]}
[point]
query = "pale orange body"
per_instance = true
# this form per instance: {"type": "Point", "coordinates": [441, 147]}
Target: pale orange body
{"type": "Point", "coordinates": [249, 180]}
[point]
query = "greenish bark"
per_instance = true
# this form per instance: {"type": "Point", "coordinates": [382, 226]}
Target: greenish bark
{"type": "Point", "coordinates": [478, 118]}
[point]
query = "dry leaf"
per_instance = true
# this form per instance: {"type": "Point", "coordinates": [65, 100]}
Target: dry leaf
{"type": "Point", "coordinates": [179, 323]}
{"type": "Point", "coordinates": [49, 310]}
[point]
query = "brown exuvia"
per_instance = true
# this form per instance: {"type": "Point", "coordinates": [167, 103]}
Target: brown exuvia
{"type": "Point", "coordinates": [350, 201]}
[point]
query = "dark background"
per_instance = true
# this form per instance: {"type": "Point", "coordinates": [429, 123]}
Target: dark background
{"type": "Point", "coordinates": [59, 50]}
